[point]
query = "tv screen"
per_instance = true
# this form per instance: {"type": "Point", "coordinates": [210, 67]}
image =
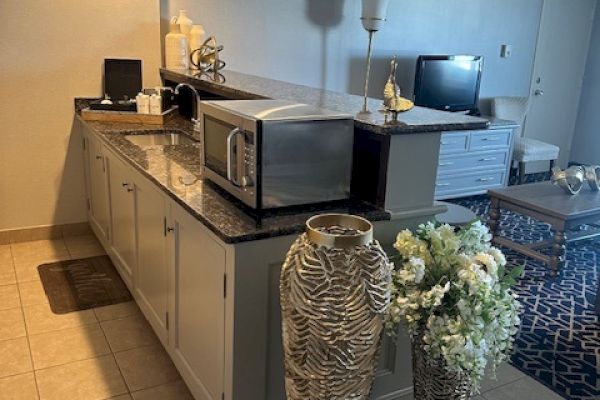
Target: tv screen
{"type": "Point", "coordinates": [448, 83]}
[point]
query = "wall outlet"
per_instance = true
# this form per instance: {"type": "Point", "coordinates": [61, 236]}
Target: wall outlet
{"type": "Point", "coordinates": [506, 51]}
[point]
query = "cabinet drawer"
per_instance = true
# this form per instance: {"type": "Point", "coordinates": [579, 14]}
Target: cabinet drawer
{"type": "Point", "coordinates": [487, 160]}
{"type": "Point", "coordinates": [454, 142]}
{"type": "Point", "coordinates": [471, 182]}
{"type": "Point", "coordinates": [489, 139]}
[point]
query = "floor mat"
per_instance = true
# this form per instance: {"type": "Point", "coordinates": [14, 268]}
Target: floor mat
{"type": "Point", "coordinates": [76, 285]}
{"type": "Point", "coordinates": [559, 340]}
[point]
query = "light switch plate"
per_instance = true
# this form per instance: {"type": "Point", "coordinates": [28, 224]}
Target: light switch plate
{"type": "Point", "coordinates": [506, 51]}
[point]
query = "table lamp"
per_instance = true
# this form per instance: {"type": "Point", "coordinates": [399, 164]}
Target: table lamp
{"type": "Point", "coordinates": [373, 17]}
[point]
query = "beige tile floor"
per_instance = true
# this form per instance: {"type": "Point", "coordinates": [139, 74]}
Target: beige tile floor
{"type": "Point", "coordinates": [105, 353]}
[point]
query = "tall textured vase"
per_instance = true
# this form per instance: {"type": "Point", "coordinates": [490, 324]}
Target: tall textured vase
{"type": "Point", "coordinates": [334, 288]}
{"type": "Point", "coordinates": [432, 380]}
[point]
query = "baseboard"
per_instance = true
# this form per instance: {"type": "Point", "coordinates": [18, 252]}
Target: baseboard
{"type": "Point", "coordinates": [44, 232]}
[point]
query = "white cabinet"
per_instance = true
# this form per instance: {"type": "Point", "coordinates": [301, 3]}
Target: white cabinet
{"type": "Point", "coordinates": [198, 305]}
{"type": "Point", "coordinates": [97, 185]}
{"type": "Point", "coordinates": [152, 274]}
{"type": "Point", "coordinates": [122, 207]}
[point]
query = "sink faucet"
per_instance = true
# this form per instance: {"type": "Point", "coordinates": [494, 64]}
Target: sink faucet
{"type": "Point", "coordinates": [195, 112]}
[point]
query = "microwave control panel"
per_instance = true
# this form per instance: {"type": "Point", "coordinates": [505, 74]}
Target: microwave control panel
{"type": "Point", "coordinates": [249, 177]}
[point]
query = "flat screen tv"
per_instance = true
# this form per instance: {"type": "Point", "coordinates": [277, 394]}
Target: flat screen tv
{"type": "Point", "coordinates": [449, 83]}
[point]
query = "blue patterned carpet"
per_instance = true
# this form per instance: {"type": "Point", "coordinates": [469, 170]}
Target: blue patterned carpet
{"type": "Point", "coordinates": [559, 341]}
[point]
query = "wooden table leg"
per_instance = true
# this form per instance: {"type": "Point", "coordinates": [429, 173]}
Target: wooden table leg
{"type": "Point", "coordinates": [559, 253]}
{"type": "Point", "coordinates": [494, 221]}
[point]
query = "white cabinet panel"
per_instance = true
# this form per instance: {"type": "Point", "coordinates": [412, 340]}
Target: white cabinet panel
{"type": "Point", "coordinates": [198, 305]}
{"type": "Point", "coordinates": [122, 206]}
{"type": "Point", "coordinates": [152, 276]}
{"type": "Point", "coordinates": [97, 186]}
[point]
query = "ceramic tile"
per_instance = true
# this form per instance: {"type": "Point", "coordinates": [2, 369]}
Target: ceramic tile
{"type": "Point", "coordinates": [19, 387]}
{"type": "Point", "coordinates": [146, 367]}
{"type": "Point", "coordinates": [94, 379]}
{"type": "Point", "coordinates": [122, 397]}
{"type": "Point", "coordinates": [67, 345]}
{"type": "Point", "coordinates": [39, 251]}
{"type": "Point", "coordinates": [76, 229]}
{"type": "Point", "coordinates": [7, 274]}
{"type": "Point", "coordinates": [505, 373]}
{"type": "Point", "coordinates": [9, 297]}
{"type": "Point", "coordinates": [128, 333]}
{"type": "Point", "coordinates": [12, 324]}
{"type": "Point", "coordinates": [171, 391]}
{"type": "Point", "coordinates": [27, 270]}
{"type": "Point", "coordinates": [84, 246]}
{"type": "Point", "coordinates": [116, 311]}
{"type": "Point", "coordinates": [32, 293]}
{"type": "Point", "coordinates": [15, 357]}
{"type": "Point", "coordinates": [522, 389]}
{"type": "Point", "coordinates": [39, 319]}
{"type": "Point", "coordinates": [5, 254]}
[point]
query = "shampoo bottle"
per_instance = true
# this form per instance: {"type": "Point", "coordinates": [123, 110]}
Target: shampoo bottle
{"type": "Point", "coordinates": [176, 47]}
{"type": "Point", "coordinates": [185, 24]}
{"type": "Point", "coordinates": [196, 40]}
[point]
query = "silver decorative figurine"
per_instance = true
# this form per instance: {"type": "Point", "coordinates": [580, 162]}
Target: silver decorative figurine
{"type": "Point", "coordinates": [335, 289]}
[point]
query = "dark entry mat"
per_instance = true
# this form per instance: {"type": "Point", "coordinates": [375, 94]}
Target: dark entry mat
{"type": "Point", "coordinates": [76, 285]}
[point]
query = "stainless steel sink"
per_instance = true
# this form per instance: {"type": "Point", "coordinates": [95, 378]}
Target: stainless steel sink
{"type": "Point", "coordinates": [159, 137]}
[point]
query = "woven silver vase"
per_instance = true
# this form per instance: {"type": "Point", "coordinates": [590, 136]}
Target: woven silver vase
{"type": "Point", "coordinates": [334, 288]}
{"type": "Point", "coordinates": [432, 380]}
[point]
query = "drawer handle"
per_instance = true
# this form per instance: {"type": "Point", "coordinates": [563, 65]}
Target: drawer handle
{"type": "Point", "coordinates": [446, 142]}
{"type": "Point", "coordinates": [488, 159]}
{"type": "Point", "coordinates": [485, 179]}
{"type": "Point", "coordinates": [490, 139]}
{"type": "Point", "coordinates": [442, 184]}
{"type": "Point", "coordinates": [445, 164]}
{"type": "Point", "coordinates": [98, 157]}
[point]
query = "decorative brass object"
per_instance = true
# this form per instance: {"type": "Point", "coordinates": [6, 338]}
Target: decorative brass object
{"type": "Point", "coordinates": [592, 174]}
{"type": "Point", "coordinates": [391, 90]}
{"type": "Point", "coordinates": [570, 180]}
{"type": "Point", "coordinates": [334, 288]}
{"type": "Point", "coordinates": [206, 57]}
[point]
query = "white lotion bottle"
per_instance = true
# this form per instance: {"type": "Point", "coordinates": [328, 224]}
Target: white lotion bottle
{"type": "Point", "coordinates": [196, 40]}
{"type": "Point", "coordinates": [142, 102]}
{"type": "Point", "coordinates": [155, 104]}
{"type": "Point", "coordinates": [176, 48]}
{"type": "Point", "coordinates": [185, 23]}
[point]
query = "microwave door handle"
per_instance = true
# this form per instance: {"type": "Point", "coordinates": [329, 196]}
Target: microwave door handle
{"type": "Point", "coordinates": [230, 156]}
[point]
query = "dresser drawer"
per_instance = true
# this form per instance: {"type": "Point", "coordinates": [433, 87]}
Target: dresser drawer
{"type": "Point", "coordinates": [454, 142]}
{"type": "Point", "coordinates": [489, 139]}
{"type": "Point", "coordinates": [469, 183]}
{"type": "Point", "coordinates": [477, 160]}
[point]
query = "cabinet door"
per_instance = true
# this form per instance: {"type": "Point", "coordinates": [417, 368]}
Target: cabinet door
{"type": "Point", "coordinates": [97, 186]}
{"type": "Point", "coordinates": [198, 305]}
{"type": "Point", "coordinates": [122, 206]}
{"type": "Point", "coordinates": [152, 277]}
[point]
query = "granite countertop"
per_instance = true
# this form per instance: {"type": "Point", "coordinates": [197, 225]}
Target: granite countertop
{"type": "Point", "coordinates": [237, 85]}
{"type": "Point", "coordinates": [177, 172]}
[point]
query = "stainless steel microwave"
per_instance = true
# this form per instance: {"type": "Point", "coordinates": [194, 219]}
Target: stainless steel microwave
{"type": "Point", "coordinates": [272, 153]}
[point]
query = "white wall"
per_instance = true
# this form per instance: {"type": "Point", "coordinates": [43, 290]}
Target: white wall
{"type": "Point", "coordinates": [52, 51]}
{"type": "Point", "coordinates": [321, 42]}
{"type": "Point", "coordinates": [586, 141]}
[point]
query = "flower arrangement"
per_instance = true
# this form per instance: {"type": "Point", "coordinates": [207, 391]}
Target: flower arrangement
{"type": "Point", "coordinates": [452, 288]}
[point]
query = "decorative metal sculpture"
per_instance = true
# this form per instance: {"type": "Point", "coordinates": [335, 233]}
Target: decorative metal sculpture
{"type": "Point", "coordinates": [206, 57]}
{"type": "Point", "coordinates": [391, 89]}
{"type": "Point", "coordinates": [334, 288]}
{"type": "Point", "coordinates": [573, 178]}
{"type": "Point", "coordinates": [433, 380]}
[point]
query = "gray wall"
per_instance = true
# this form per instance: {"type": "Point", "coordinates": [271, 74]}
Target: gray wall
{"type": "Point", "coordinates": [586, 141]}
{"type": "Point", "coordinates": [321, 43]}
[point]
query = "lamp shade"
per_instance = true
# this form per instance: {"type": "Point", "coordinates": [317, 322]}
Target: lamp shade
{"type": "Point", "coordinates": [373, 14]}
